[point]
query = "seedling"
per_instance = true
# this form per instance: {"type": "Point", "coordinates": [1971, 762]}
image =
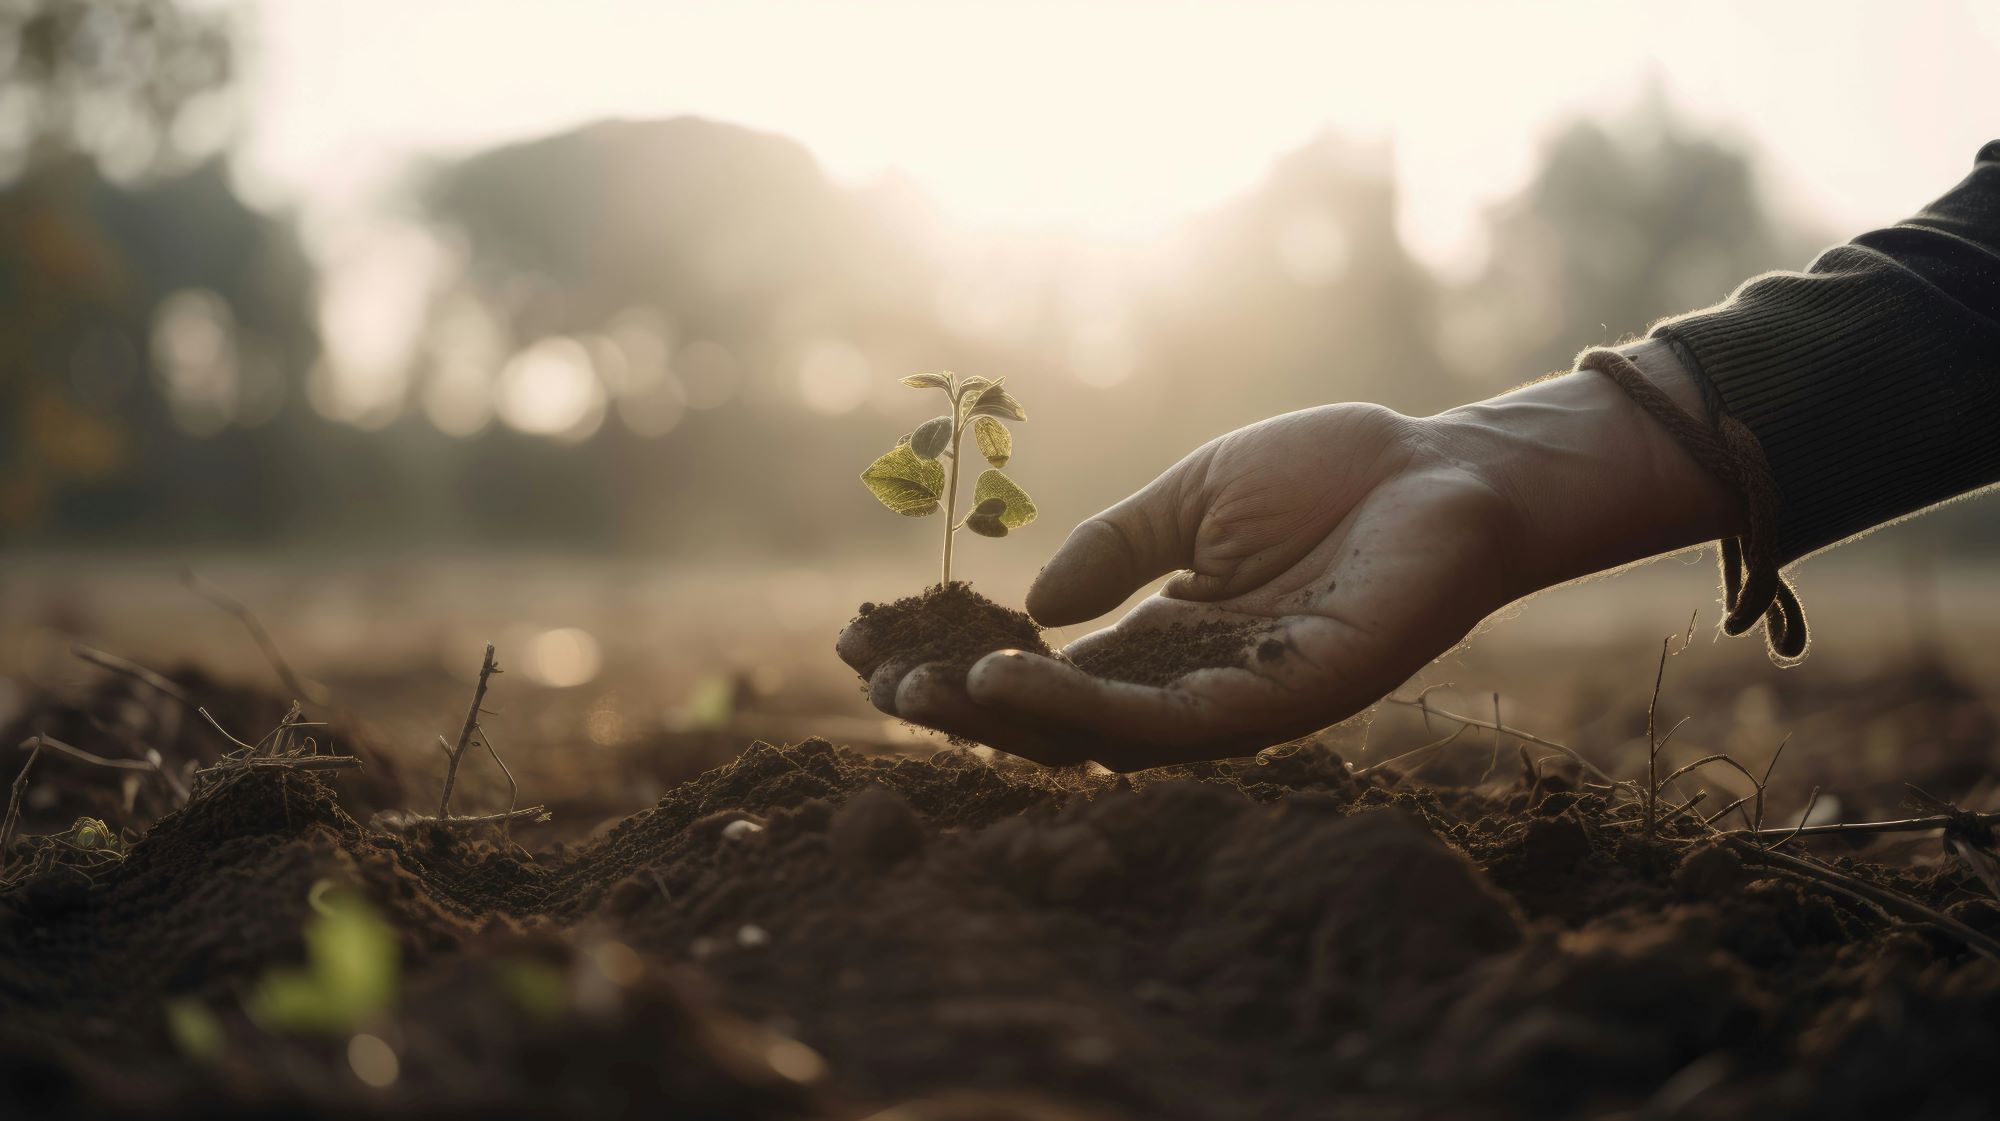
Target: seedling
{"type": "Point", "coordinates": [910, 479]}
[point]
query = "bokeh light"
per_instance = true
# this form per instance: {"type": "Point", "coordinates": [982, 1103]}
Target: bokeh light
{"type": "Point", "coordinates": [551, 389]}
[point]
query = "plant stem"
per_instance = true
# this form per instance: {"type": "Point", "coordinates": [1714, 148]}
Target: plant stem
{"type": "Point", "coordinates": [951, 495]}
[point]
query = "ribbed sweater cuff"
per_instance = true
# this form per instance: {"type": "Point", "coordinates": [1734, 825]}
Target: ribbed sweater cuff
{"type": "Point", "coordinates": [1855, 379]}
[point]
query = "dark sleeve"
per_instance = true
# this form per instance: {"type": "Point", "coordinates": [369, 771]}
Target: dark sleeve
{"type": "Point", "coordinates": [1872, 379]}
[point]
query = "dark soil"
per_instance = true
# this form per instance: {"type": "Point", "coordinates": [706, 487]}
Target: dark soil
{"type": "Point", "coordinates": [954, 626]}
{"type": "Point", "coordinates": [1163, 656]}
{"type": "Point", "coordinates": [806, 932]}
{"type": "Point", "coordinates": [950, 625]}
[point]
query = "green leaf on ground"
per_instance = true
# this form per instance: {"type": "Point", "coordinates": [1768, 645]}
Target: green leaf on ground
{"type": "Point", "coordinates": [350, 975]}
{"type": "Point", "coordinates": [905, 482]}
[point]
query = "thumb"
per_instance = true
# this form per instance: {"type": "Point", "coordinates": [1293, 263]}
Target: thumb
{"type": "Point", "coordinates": [1112, 554]}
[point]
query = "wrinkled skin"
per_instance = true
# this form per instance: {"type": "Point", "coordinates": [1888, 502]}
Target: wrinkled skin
{"type": "Point", "coordinates": [1371, 542]}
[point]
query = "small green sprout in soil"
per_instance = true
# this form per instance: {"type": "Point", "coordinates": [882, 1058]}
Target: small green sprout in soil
{"type": "Point", "coordinates": [911, 480]}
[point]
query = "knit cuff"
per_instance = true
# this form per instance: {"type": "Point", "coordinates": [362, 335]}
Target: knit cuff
{"type": "Point", "coordinates": [1854, 380]}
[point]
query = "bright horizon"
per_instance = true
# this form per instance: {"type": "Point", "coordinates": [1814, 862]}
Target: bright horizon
{"type": "Point", "coordinates": [1114, 120]}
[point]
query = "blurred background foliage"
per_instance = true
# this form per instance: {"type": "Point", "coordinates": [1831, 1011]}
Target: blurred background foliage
{"type": "Point", "coordinates": [665, 336]}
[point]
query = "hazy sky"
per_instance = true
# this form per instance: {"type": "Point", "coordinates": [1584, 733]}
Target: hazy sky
{"type": "Point", "coordinates": [1115, 118]}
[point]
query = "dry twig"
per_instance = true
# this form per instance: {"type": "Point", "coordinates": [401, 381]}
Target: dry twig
{"type": "Point", "coordinates": [487, 668]}
{"type": "Point", "coordinates": [14, 800]}
{"type": "Point", "coordinates": [1434, 745]}
{"type": "Point", "coordinates": [1884, 899]}
{"type": "Point", "coordinates": [157, 682]}
{"type": "Point", "coordinates": [230, 604]}
{"type": "Point", "coordinates": [1430, 710]}
{"type": "Point", "coordinates": [1652, 745]}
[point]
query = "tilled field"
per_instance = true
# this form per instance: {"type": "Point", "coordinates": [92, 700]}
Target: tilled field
{"type": "Point", "coordinates": [808, 932]}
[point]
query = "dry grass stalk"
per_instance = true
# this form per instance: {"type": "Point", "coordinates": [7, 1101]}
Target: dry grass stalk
{"type": "Point", "coordinates": [473, 732]}
{"type": "Point", "coordinates": [299, 686]}
{"type": "Point", "coordinates": [487, 668]}
{"type": "Point", "coordinates": [1839, 828]}
{"type": "Point", "coordinates": [1434, 745]}
{"type": "Point", "coordinates": [526, 814]}
{"type": "Point", "coordinates": [14, 800]}
{"type": "Point", "coordinates": [151, 764]}
{"type": "Point", "coordinates": [1887, 900]}
{"type": "Point", "coordinates": [154, 681]}
{"type": "Point", "coordinates": [1653, 746]}
{"type": "Point", "coordinates": [1421, 703]}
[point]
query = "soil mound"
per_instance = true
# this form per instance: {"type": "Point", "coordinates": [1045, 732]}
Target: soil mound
{"type": "Point", "coordinates": [805, 932]}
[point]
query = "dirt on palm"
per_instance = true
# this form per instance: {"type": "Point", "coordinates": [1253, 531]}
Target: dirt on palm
{"type": "Point", "coordinates": [953, 626]}
{"type": "Point", "coordinates": [808, 932]}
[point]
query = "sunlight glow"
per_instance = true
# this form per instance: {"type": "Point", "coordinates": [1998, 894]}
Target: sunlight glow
{"type": "Point", "coordinates": [550, 389]}
{"type": "Point", "coordinates": [194, 351]}
{"type": "Point", "coordinates": [833, 377]}
{"type": "Point", "coordinates": [1117, 118]}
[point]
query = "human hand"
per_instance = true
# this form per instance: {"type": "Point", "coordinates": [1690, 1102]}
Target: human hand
{"type": "Point", "coordinates": [1364, 544]}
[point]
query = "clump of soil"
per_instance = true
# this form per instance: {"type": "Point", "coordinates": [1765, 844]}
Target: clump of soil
{"type": "Point", "coordinates": [807, 932]}
{"type": "Point", "coordinates": [953, 626]}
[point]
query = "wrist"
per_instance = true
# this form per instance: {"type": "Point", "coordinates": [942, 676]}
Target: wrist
{"type": "Point", "coordinates": [1590, 482]}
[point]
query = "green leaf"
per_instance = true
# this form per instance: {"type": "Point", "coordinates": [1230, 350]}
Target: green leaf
{"type": "Point", "coordinates": [985, 518]}
{"type": "Point", "coordinates": [905, 482]}
{"type": "Point", "coordinates": [1020, 509]}
{"type": "Point", "coordinates": [928, 381]}
{"type": "Point", "coordinates": [996, 401]}
{"type": "Point", "coordinates": [932, 437]}
{"type": "Point", "coordinates": [995, 442]}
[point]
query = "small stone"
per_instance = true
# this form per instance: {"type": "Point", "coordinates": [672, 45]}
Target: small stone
{"type": "Point", "coordinates": [1709, 871]}
{"type": "Point", "coordinates": [876, 829]}
{"type": "Point", "coordinates": [741, 828]}
{"type": "Point", "coordinates": [750, 936]}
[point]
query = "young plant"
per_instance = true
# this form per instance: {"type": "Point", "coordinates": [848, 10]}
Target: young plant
{"type": "Point", "coordinates": [910, 480]}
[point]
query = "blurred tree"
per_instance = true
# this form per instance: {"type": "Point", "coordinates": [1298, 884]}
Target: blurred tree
{"type": "Point", "coordinates": [717, 285]}
{"type": "Point", "coordinates": [149, 320]}
{"type": "Point", "coordinates": [1299, 294]}
{"type": "Point", "coordinates": [1621, 225]}
{"type": "Point", "coordinates": [128, 83]}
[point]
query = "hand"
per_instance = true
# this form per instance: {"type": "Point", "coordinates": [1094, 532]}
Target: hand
{"type": "Point", "coordinates": [1365, 542]}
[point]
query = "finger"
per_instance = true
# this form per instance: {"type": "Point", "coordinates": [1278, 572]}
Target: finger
{"type": "Point", "coordinates": [1112, 554]}
{"type": "Point", "coordinates": [856, 647]}
{"type": "Point", "coordinates": [883, 683]}
{"type": "Point", "coordinates": [1201, 587]}
{"type": "Point", "coordinates": [1207, 707]}
{"type": "Point", "coordinates": [936, 698]}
